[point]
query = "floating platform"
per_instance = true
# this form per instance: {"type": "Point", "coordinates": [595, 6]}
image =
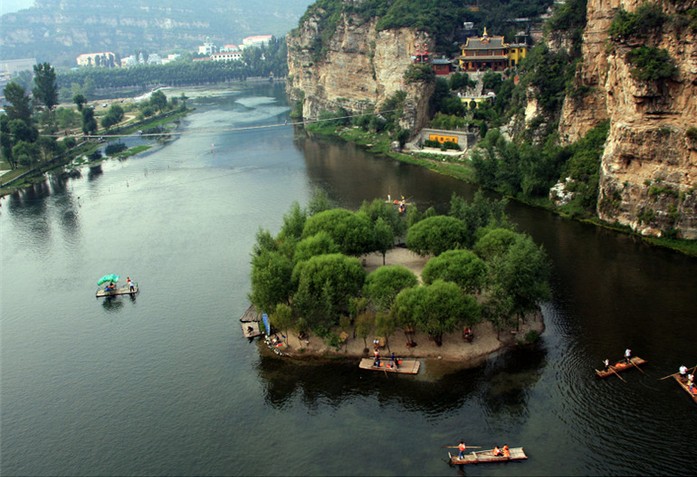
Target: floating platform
{"type": "Point", "coordinates": [620, 366]}
{"type": "Point", "coordinates": [487, 457]}
{"type": "Point", "coordinates": [250, 329]}
{"type": "Point", "coordinates": [405, 366]}
{"type": "Point", "coordinates": [119, 291]}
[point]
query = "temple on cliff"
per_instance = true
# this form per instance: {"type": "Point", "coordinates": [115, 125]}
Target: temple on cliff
{"type": "Point", "coordinates": [491, 53]}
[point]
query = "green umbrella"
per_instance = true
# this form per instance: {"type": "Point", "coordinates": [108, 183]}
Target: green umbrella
{"type": "Point", "coordinates": [108, 278]}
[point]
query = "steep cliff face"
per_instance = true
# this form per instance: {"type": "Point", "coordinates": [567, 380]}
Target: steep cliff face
{"type": "Point", "coordinates": [649, 167]}
{"type": "Point", "coordinates": [362, 67]}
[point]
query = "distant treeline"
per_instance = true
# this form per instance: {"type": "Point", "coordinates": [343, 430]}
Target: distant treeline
{"type": "Point", "coordinates": [261, 61]}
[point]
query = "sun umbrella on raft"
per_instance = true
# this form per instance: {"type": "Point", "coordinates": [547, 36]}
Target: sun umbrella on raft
{"type": "Point", "coordinates": [108, 278]}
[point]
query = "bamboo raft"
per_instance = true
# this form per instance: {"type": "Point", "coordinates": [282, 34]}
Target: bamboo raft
{"type": "Point", "coordinates": [487, 456]}
{"type": "Point", "coordinates": [119, 291]}
{"type": "Point", "coordinates": [405, 366]}
{"type": "Point", "coordinates": [683, 385]}
{"type": "Point", "coordinates": [620, 366]}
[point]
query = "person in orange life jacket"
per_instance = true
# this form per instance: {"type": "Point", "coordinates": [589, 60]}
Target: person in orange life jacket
{"type": "Point", "coordinates": [461, 448]}
{"type": "Point", "coordinates": [506, 451]}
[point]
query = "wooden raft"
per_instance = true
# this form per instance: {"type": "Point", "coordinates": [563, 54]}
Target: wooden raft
{"type": "Point", "coordinates": [620, 366]}
{"type": "Point", "coordinates": [487, 456]}
{"type": "Point", "coordinates": [119, 291]}
{"type": "Point", "coordinates": [683, 385]}
{"type": "Point", "coordinates": [406, 366]}
{"type": "Point", "coordinates": [250, 329]}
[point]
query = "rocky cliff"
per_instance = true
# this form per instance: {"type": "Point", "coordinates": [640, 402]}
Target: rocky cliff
{"type": "Point", "coordinates": [649, 167]}
{"type": "Point", "coordinates": [359, 69]}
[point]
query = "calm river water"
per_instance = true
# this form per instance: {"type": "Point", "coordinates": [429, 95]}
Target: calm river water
{"type": "Point", "coordinates": [165, 384]}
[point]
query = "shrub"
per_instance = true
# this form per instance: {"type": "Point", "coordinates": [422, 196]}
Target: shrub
{"type": "Point", "coordinates": [648, 17]}
{"type": "Point", "coordinates": [692, 133]}
{"type": "Point", "coordinates": [115, 148]}
{"type": "Point", "coordinates": [416, 73]}
{"type": "Point", "coordinates": [651, 64]}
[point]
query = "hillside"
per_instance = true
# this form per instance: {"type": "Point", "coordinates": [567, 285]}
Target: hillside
{"type": "Point", "coordinates": [57, 31]}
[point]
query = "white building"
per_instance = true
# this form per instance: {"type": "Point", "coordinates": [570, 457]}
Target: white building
{"type": "Point", "coordinates": [256, 40]}
{"type": "Point", "coordinates": [208, 48]}
{"type": "Point", "coordinates": [227, 56]}
{"type": "Point", "coordinates": [230, 47]}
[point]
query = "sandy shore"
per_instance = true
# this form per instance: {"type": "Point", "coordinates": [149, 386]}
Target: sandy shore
{"type": "Point", "coordinates": [454, 348]}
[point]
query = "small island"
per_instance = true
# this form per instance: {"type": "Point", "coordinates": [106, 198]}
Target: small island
{"type": "Point", "coordinates": [457, 287]}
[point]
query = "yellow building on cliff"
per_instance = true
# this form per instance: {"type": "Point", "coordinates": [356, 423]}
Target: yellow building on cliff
{"type": "Point", "coordinates": [491, 53]}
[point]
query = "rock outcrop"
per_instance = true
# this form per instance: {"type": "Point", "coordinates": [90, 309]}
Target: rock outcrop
{"type": "Point", "coordinates": [649, 167]}
{"type": "Point", "coordinates": [358, 70]}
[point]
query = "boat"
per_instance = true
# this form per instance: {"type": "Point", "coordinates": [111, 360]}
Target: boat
{"type": "Point", "coordinates": [487, 457]}
{"type": "Point", "coordinates": [401, 204]}
{"type": "Point", "coordinates": [404, 366]}
{"type": "Point", "coordinates": [683, 384]}
{"type": "Point", "coordinates": [110, 289]}
{"type": "Point", "coordinates": [101, 292]}
{"type": "Point", "coordinates": [620, 366]}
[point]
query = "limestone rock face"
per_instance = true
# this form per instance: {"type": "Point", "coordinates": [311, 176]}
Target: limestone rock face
{"type": "Point", "coordinates": [649, 167]}
{"type": "Point", "coordinates": [360, 70]}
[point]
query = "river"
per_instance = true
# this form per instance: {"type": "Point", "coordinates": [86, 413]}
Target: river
{"type": "Point", "coordinates": [165, 384]}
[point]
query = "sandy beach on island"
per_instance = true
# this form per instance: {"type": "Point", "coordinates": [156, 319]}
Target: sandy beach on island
{"type": "Point", "coordinates": [455, 351]}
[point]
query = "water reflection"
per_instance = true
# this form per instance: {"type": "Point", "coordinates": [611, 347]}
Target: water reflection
{"type": "Point", "coordinates": [112, 304]}
{"type": "Point", "coordinates": [95, 172]}
{"type": "Point", "coordinates": [502, 385]}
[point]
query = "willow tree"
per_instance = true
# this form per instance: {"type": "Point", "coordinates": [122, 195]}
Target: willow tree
{"type": "Point", "coordinates": [325, 285]}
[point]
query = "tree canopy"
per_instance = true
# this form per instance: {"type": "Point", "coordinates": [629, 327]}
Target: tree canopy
{"type": "Point", "coordinates": [462, 267]}
{"type": "Point", "coordinates": [435, 235]}
{"type": "Point", "coordinates": [384, 284]}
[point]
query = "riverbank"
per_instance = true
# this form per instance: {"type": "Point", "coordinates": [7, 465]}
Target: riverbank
{"type": "Point", "coordinates": [455, 350]}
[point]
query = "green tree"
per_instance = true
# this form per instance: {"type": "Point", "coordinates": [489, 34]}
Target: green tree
{"type": "Point", "coordinates": [384, 284]}
{"type": "Point", "coordinates": [45, 87]}
{"type": "Point", "coordinates": [319, 202]}
{"type": "Point", "coordinates": [271, 280]}
{"type": "Point", "coordinates": [282, 318]}
{"type": "Point", "coordinates": [20, 131]}
{"type": "Point", "coordinates": [435, 235]}
{"type": "Point", "coordinates": [495, 243]}
{"type": "Point", "coordinates": [319, 244]}
{"type": "Point", "coordinates": [385, 325]}
{"type": "Point", "coordinates": [384, 237]}
{"type": "Point", "coordinates": [293, 222]}
{"type": "Point", "coordinates": [364, 324]}
{"type": "Point", "coordinates": [19, 103]}
{"type": "Point", "coordinates": [79, 101]}
{"type": "Point", "coordinates": [114, 115]}
{"type": "Point", "coordinates": [25, 153]}
{"type": "Point", "coordinates": [352, 232]}
{"type": "Point", "coordinates": [522, 273]}
{"type": "Point", "coordinates": [158, 100]}
{"type": "Point", "coordinates": [443, 307]}
{"type": "Point", "coordinates": [325, 284]}
{"type": "Point", "coordinates": [377, 208]}
{"type": "Point", "coordinates": [89, 123]}
{"type": "Point", "coordinates": [6, 141]}
{"type": "Point", "coordinates": [462, 267]}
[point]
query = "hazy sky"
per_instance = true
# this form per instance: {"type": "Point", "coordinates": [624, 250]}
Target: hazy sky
{"type": "Point", "coordinates": [9, 6]}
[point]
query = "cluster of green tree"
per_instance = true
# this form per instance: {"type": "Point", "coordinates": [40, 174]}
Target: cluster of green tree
{"type": "Point", "coordinates": [20, 141]}
{"type": "Point", "coordinates": [386, 119]}
{"type": "Point", "coordinates": [262, 61]}
{"type": "Point", "coordinates": [648, 62]}
{"type": "Point", "coordinates": [30, 127]}
{"type": "Point", "coordinates": [528, 172]}
{"type": "Point", "coordinates": [440, 18]}
{"type": "Point", "coordinates": [309, 278]}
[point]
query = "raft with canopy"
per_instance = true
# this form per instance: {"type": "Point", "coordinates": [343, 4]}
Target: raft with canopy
{"type": "Point", "coordinates": [111, 288]}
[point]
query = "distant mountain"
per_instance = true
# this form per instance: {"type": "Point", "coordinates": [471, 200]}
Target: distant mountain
{"type": "Point", "coordinates": [58, 30]}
